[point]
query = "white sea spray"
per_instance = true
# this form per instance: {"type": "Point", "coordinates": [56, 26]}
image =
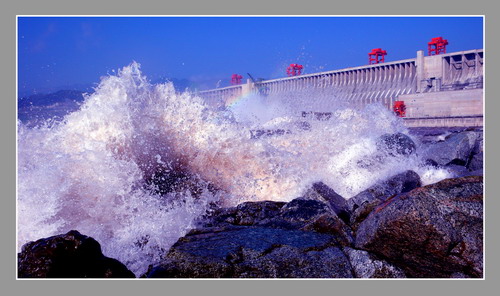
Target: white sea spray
{"type": "Point", "coordinates": [90, 172]}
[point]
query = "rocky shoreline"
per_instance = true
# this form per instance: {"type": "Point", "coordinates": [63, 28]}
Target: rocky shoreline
{"type": "Point", "coordinates": [395, 229]}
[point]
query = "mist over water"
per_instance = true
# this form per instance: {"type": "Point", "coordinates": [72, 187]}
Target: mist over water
{"type": "Point", "coordinates": [92, 171]}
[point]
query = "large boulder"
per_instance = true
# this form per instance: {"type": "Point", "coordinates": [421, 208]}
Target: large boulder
{"type": "Point", "coordinates": [396, 144]}
{"type": "Point", "coordinates": [245, 214]}
{"type": "Point", "coordinates": [252, 251]}
{"type": "Point", "coordinates": [476, 162]}
{"type": "Point", "coordinates": [321, 192]}
{"type": "Point", "coordinates": [70, 255]}
{"type": "Point", "coordinates": [312, 215]}
{"type": "Point", "coordinates": [301, 238]}
{"type": "Point", "coordinates": [364, 202]}
{"type": "Point", "coordinates": [431, 231]}
{"type": "Point", "coordinates": [298, 214]}
{"type": "Point", "coordinates": [457, 148]}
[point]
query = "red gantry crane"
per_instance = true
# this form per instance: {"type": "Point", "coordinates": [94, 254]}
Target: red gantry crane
{"type": "Point", "coordinates": [236, 79]}
{"type": "Point", "coordinates": [399, 108]}
{"type": "Point", "coordinates": [294, 70]}
{"type": "Point", "coordinates": [437, 46]}
{"type": "Point", "coordinates": [376, 56]}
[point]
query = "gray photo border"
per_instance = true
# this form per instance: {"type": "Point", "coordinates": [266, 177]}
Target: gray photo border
{"type": "Point", "coordinates": [238, 287]}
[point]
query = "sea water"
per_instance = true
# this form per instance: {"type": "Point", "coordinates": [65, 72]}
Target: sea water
{"type": "Point", "coordinates": [92, 171]}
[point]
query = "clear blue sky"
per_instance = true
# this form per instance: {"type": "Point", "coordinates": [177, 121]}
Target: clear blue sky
{"type": "Point", "coordinates": [56, 52]}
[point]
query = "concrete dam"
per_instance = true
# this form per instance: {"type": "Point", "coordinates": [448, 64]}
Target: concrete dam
{"type": "Point", "coordinates": [443, 90]}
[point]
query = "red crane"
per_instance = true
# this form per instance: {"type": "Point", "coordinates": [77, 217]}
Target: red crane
{"type": "Point", "coordinates": [437, 46]}
{"type": "Point", "coordinates": [294, 70]}
{"type": "Point", "coordinates": [236, 79]}
{"type": "Point", "coordinates": [376, 56]}
{"type": "Point", "coordinates": [399, 108]}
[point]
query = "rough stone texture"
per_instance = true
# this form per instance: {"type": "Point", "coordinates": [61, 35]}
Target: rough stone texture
{"type": "Point", "coordinates": [455, 149]}
{"type": "Point", "coordinates": [303, 214]}
{"type": "Point", "coordinates": [254, 252]}
{"type": "Point", "coordinates": [245, 214]}
{"type": "Point", "coordinates": [457, 170]}
{"type": "Point", "coordinates": [395, 144]}
{"type": "Point", "coordinates": [169, 180]}
{"type": "Point", "coordinates": [312, 215]}
{"type": "Point", "coordinates": [431, 231]}
{"type": "Point", "coordinates": [479, 145]}
{"type": "Point", "coordinates": [363, 203]}
{"type": "Point", "coordinates": [70, 255]}
{"type": "Point", "coordinates": [365, 265]}
{"type": "Point", "coordinates": [321, 192]}
{"type": "Point", "coordinates": [399, 183]}
{"type": "Point", "coordinates": [476, 162]}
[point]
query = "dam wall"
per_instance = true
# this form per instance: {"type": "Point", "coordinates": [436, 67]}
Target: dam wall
{"type": "Point", "coordinates": [438, 90]}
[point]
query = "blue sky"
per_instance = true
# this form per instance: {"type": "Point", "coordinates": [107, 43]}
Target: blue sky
{"type": "Point", "coordinates": [59, 52]}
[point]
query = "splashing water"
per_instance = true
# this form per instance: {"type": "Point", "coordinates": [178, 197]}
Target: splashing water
{"type": "Point", "coordinates": [92, 171]}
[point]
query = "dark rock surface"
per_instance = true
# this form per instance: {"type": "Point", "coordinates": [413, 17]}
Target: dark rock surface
{"type": "Point", "coordinates": [395, 144]}
{"type": "Point", "coordinates": [298, 214]}
{"type": "Point", "coordinates": [458, 151]}
{"type": "Point", "coordinates": [457, 171]}
{"type": "Point", "coordinates": [363, 203]}
{"type": "Point", "coordinates": [245, 214]}
{"type": "Point", "coordinates": [321, 192]}
{"type": "Point", "coordinates": [456, 148]}
{"type": "Point", "coordinates": [253, 251]}
{"type": "Point", "coordinates": [408, 231]}
{"type": "Point", "coordinates": [431, 231]}
{"type": "Point", "coordinates": [70, 255]}
{"type": "Point", "coordinates": [302, 238]}
{"type": "Point", "coordinates": [476, 162]}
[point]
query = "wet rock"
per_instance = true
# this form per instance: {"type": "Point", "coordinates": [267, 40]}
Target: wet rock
{"type": "Point", "coordinates": [476, 162]}
{"type": "Point", "coordinates": [396, 144]}
{"type": "Point", "coordinates": [403, 182]}
{"type": "Point", "coordinates": [70, 255]}
{"type": "Point", "coordinates": [365, 265]}
{"type": "Point", "coordinates": [301, 238]}
{"type": "Point", "coordinates": [302, 214]}
{"type": "Point", "coordinates": [431, 231]}
{"type": "Point", "coordinates": [363, 203]}
{"type": "Point", "coordinates": [479, 145]}
{"type": "Point", "coordinates": [255, 252]}
{"type": "Point", "coordinates": [455, 149]}
{"type": "Point", "coordinates": [430, 163]}
{"type": "Point", "coordinates": [245, 214]}
{"type": "Point", "coordinates": [165, 181]}
{"type": "Point", "coordinates": [475, 173]}
{"type": "Point", "coordinates": [321, 192]}
{"type": "Point", "coordinates": [457, 171]}
{"type": "Point", "coordinates": [312, 215]}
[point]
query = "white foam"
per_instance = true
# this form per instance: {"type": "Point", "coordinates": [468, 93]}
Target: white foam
{"type": "Point", "coordinates": [88, 172]}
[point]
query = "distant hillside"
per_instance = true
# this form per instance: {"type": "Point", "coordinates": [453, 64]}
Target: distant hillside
{"type": "Point", "coordinates": [181, 85]}
{"type": "Point", "coordinates": [50, 99]}
{"type": "Point", "coordinates": [33, 110]}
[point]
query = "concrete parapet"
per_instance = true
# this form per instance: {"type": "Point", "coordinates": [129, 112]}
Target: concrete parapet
{"type": "Point", "coordinates": [444, 103]}
{"type": "Point", "coordinates": [462, 121]}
